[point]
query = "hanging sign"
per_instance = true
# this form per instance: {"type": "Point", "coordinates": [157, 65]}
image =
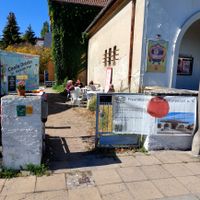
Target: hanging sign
{"type": "Point", "coordinates": [157, 56]}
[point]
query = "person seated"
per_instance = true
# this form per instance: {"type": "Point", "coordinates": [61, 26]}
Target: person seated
{"type": "Point", "coordinates": [111, 88]}
{"type": "Point", "coordinates": [79, 83]}
{"type": "Point", "coordinates": [92, 86]}
{"type": "Point", "coordinates": [69, 87]}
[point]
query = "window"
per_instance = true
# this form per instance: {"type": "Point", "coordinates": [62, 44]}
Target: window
{"type": "Point", "coordinates": [111, 56]}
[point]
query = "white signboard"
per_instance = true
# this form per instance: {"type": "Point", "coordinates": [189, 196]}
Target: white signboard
{"type": "Point", "coordinates": [141, 114]}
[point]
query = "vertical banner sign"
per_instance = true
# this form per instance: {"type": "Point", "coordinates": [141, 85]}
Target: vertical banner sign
{"type": "Point", "coordinates": [11, 83]}
{"type": "Point", "coordinates": [108, 78]}
{"type": "Point", "coordinates": [142, 114]}
{"type": "Point", "coordinates": [157, 56]}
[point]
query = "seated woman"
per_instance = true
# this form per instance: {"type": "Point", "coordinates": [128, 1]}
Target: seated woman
{"type": "Point", "coordinates": [69, 87]}
{"type": "Point", "coordinates": [111, 88]}
{"type": "Point", "coordinates": [91, 86]}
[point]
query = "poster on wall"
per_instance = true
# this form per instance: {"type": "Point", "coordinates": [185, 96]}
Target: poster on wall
{"type": "Point", "coordinates": [142, 114]}
{"type": "Point", "coordinates": [185, 65]}
{"type": "Point", "coordinates": [157, 56]}
{"type": "Point", "coordinates": [11, 83]}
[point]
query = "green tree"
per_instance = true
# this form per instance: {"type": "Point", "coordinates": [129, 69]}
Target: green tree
{"type": "Point", "coordinates": [11, 34]}
{"type": "Point", "coordinates": [29, 36]}
{"type": "Point", "coordinates": [45, 29]}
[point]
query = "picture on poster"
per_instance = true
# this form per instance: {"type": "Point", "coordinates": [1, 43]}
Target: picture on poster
{"type": "Point", "coordinates": [157, 56]}
{"type": "Point", "coordinates": [176, 123]}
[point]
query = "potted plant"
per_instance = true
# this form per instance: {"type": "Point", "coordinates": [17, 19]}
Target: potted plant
{"type": "Point", "coordinates": [21, 88]}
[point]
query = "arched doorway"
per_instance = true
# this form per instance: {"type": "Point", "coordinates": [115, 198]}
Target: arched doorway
{"type": "Point", "coordinates": [186, 58]}
{"type": "Point", "coordinates": [188, 70]}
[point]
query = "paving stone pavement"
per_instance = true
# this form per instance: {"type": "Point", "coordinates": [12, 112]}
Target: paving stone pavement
{"type": "Point", "coordinates": [82, 174]}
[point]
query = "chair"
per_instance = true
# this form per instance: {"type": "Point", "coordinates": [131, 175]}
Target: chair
{"type": "Point", "coordinates": [76, 96]}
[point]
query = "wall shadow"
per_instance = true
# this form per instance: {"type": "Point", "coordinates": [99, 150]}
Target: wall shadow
{"type": "Point", "coordinates": [58, 156]}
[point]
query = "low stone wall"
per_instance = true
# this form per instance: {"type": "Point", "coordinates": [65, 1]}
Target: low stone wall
{"type": "Point", "coordinates": [21, 135]}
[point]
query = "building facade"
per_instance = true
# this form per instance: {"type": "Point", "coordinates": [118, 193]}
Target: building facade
{"type": "Point", "coordinates": [146, 43]}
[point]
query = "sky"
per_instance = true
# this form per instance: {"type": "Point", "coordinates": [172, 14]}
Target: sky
{"type": "Point", "coordinates": [33, 12]}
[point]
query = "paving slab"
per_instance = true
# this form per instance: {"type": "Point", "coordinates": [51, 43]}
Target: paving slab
{"type": "Point", "coordinates": [167, 157]}
{"type": "Point", "coordinates": [125, 195]}
{"type": "Point", "coordinates": [185, 197]}
{"type": "Point", "coordinates": [155, 172]}
{"type": "Point", "coordinates": [19, 185]}
{"type": "Point", "coordinates": [147, 160]}
{"type": "Point", "coordinates": [194, 167]}
{"type": "Point", "coordinates": [144, 190]}
{"type": "Point", "coordinates": [129, 174]}
{"type": "Point", "coordinates": [112, 188]}
{"type": "Point", "coordinates": [178, 169]}
{"type": "Point", "coordinates": [108, 176]}
{"type": "Point", "coordinates": [90, 193]}
{"type": "Point", "coordinates": [53, 195]}
{"type": "Point", "coordinates": [192, 183]}
{"type": "Point", "coordinates": [186, 156]}
{"type": "Point", "coordinates": [170, 187]}
{"type": "Point", "coordinates": [53, 182]}
{"type": "Point", "coordinates": [129, 161]}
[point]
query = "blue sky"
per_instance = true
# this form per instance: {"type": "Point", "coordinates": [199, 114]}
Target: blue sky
{"type": "Point", "coordinates": [33, 12]}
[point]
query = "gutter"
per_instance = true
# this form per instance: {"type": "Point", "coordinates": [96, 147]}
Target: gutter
{"type": "Point", "coordinates": [131, 45]}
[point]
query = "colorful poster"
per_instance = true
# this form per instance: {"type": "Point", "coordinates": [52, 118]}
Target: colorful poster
{"type": "Point", "coordinates": [157, 56]}
{"type": "Point", "coordinates": [142, 114]}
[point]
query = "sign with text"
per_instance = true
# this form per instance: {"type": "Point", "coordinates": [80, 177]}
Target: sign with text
{"type": "Point", "coordinates": [142, 114]}
{"type": "Point", "coordinates": [23, 66]}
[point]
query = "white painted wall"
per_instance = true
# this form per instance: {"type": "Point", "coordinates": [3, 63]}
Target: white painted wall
{"type": "Point", "coordinates": [115, 32]}
{"type": "Point", "coordinates": [137, 45]}
{"type": "Point", "coordinates": [166, 18]}
{"type": "Point", "coordinates": [190, 46]}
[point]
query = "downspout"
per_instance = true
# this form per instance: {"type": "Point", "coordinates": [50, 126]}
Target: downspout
{"type": "Point", "coordinates": [131, 44]}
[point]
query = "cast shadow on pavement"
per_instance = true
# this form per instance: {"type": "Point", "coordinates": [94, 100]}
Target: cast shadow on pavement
{"type": "Point", "coordinates": [58, 156]}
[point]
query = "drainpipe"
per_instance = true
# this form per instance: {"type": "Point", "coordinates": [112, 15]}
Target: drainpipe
{"type": "Point", "coordinates": [131, 44]}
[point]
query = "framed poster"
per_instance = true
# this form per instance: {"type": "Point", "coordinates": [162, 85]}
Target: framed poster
{"type": "Point", "coordinates": [157, 56]}
{"type": "Point", "coordinates": [185, 65]}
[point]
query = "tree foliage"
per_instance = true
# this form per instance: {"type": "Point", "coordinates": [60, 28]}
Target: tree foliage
{"type": "Point", "coordinates": [44, 53]}
{"type": "Point", "coordinates": [11, 34]}
{"type": "Point", "coordinates": [45, 29]}
{"type": "Point", "coordinates": [29, 36]}
{"type": "Point", "coordinates": [68, 21]}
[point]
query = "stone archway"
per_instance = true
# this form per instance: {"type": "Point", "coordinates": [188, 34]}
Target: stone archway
{"type": "Point", "coordinates": [184, 31]}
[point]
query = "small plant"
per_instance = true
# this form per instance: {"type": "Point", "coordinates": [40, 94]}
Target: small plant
{"type": "Point", "coordinates": [21, 85]}
{"type": "Point", "coordinates": [37, 170]}
{"type": "Point", "coordinates": [92, 104]}
{"type": "Point", "coordinates": [8, 173]}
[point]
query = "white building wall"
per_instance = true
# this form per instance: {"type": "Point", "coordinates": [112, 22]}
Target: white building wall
{"type": "Point", "coordinates": [165, 18]}
{"type": "Point", "coordinates": [115, 32]}
{"type": "Point", "coordinates": [137, 45]}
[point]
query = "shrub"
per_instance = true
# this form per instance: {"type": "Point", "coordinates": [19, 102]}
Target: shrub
{"type": "Point", "coordinates": [92, 104]}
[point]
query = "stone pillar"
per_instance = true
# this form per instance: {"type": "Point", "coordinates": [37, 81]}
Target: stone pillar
{"type": "Point", "coordinates": [21, 131]}
{"type": "Point", "coordinates": [196, 139]}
